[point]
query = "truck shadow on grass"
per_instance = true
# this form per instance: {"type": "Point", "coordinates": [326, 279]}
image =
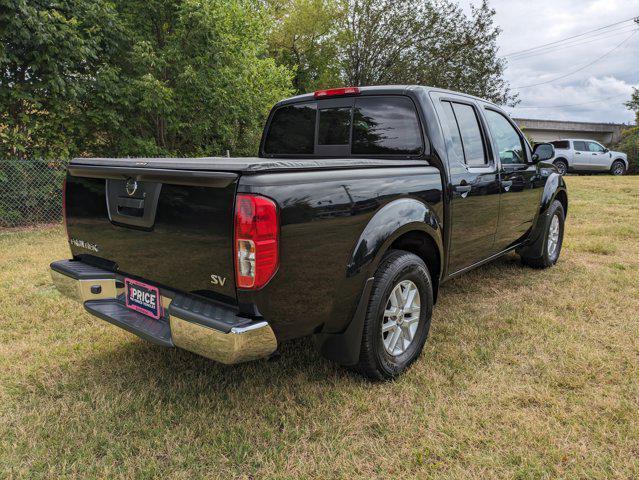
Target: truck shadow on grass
{"type": "Point", "coordinates": [178, 374]}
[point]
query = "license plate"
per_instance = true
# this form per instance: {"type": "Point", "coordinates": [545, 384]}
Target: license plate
{"type": "Point", "coordinates": [143, 298]}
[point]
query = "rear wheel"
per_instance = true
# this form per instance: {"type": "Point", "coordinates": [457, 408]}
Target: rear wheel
{"type": "Point", "coordinates": [553, 238]}
{"type": "Point", "coordinates": [562, 166]}
{"type": "Point", "coordinates": [398, 316]}
{"type": "Point", "coordinates": [618, 168]}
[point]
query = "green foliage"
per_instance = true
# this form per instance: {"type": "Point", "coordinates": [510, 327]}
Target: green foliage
{"type": "Point", "coordinates": [197, 77]}
{"type": "Point", "coordinates": [633, 104]}
{"type": "Point", "coordinates": [304, 37]}
{"type": "Point", "coordinates": [629, 144]}
{"type": "Point", "coordinates": [159, 77]}
{"type": "Point", "coordinates": [373, 42]}
{"type": "Point", "coordinates": [199, 81]}
{"type": "Point", "coordinates": [426, 43]}
{"type": "Point", "coordinates": [52, 55]}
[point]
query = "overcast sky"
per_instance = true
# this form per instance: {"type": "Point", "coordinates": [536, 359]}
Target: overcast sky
{"type": "Point", "coordinates": [529, 23]}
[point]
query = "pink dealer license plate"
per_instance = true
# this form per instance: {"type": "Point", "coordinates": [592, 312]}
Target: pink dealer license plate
{"type": "Point", "coordinates": [143, 298]}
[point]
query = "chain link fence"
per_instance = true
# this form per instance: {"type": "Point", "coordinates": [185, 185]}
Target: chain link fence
{"type": "Point", "coordinates": [30, 192]}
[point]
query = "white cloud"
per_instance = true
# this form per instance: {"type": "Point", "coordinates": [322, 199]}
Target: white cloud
{"type": "Point", "coordinates": [529, 23]}
{"type": "Point", "coordinates": [568, 102]}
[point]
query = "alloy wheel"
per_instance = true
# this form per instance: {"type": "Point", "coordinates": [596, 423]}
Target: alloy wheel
{"type": "Point", "coordinates": [401, 317]}
{"type": "Point", "coordinates": [553, 235]}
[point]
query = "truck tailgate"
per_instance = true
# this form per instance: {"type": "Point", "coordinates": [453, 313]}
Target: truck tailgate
{"type": "Point", "coordinates": [169, 226]}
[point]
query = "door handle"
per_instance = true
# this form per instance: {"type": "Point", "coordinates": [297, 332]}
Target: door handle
{"type": "Point", "coordinates": [577, 153]}
{"type": "Point", "coordinates": [506, 184]}
{"type": "Point", "coordinates": [463, 190]}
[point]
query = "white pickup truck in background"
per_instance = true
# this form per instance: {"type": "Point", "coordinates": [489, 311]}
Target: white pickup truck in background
{"type": "Point", "coordinates": [587, 156]}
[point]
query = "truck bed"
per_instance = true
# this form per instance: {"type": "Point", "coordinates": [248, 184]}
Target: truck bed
{"type": "Point", "coordinates": [245, 165]}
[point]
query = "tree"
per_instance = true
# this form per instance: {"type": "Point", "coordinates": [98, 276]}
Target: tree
{"type": "Point", "coordinates": [630, 137]}
{"type": "Point", "coordinates": [303, 37]}
{"type": "Point", "coordinates": [633, 104]}
{"type": "Point", "coordinates": [199, 81]}
{"type": "Point", "coordinates": [191, 77]}
{"type": "Point", "coordinates": [430, 42]}
{"type": "Point", "coordinates": [52, 53]}
{"type": "Point", "coordinates": [135, 77]}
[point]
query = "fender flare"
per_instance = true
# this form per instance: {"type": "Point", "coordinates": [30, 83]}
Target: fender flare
{"type": "Point", "coordinates": [534, 246]}
{"type": "Point", "coordinates": [387, 225]}
{"type": "Point", "coordinates": [554, 184]}
{"type": "Point", "coordinates": [625, 162]}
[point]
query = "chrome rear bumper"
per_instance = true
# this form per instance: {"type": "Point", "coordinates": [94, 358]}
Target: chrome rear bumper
{"type": "Point", "coordinates": [223, 337]}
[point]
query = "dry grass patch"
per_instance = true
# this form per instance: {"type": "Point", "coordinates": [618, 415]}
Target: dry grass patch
{"type": "Point", "coordinates": [526, 374]}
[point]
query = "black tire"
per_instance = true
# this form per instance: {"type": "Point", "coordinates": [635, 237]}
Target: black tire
{"type": "Point", "coordinates": [548, 258]}
{"type": "Point", "coordinates": [562, 166]}
{"type": "Point", "coordinates": [374, 361]}
{"type": "Point", "coordinates": [617, 168]}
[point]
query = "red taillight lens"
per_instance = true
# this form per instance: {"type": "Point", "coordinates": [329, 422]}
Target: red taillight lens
{"type": "Point", "coordinates": [337, 92]}
{"type": "Point", "coordinates": [256, 241]}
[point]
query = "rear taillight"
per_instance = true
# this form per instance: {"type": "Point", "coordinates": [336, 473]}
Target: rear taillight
{"type": "Point", "coordinates": [336, 92]}
{"type": "Point", "coordinates": [256, 241]}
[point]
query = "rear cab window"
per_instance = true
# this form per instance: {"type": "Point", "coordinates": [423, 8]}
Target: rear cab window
{"type": "Point", "coordinates": [561, 144]}
{"type": "Point", "coordinates": [334, 126]}
{"type": "Point", "coordinates": [362, 126]}
{"type": "Point", "coordinates": [292, 130]}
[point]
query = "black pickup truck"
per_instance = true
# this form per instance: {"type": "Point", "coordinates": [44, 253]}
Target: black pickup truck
{"type": "Point", "coordinates": [363, 201]}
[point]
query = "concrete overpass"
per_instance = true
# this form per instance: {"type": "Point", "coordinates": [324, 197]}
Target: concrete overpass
{"type": "Point", "coordinates": [549, 130]}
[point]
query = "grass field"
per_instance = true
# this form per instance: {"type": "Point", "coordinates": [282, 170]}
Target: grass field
{"type": "Point", "coordinates": [526, 374]}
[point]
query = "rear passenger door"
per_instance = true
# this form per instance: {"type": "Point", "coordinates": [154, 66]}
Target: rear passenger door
{"type": "Point", "coordinates": [581, 155]}
{"type": "Point", "coordinates": [521, 184]}
{"type": "Point", "coordinates": [473, 183]}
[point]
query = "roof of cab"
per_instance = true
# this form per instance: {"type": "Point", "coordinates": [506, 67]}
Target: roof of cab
{"type": "Point", "coordinates": [381, 90]}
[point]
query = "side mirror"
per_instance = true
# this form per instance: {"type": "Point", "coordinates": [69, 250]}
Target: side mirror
{"type": "Point", "coordinates": [543, 152]}
{"type": "Point", "coordinates": [606, 150]}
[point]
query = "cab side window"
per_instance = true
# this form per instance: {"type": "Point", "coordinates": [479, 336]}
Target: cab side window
{"type": "Point", "coordinates": [509, 142]}
{"type": "Point", "coordinates": [386, 125]}
{"type": "Point", "coordinates": [580, 146]}
{"type": "Point", "coordinates": [595, 147]}
{"type": "Point", "coordinates": [561, 144]}
{"type": "Point", "coordinates": [465, 134]}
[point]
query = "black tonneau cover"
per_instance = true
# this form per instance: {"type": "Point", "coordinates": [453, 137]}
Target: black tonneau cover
{"type": "Point", "coordinates": [245, 165]}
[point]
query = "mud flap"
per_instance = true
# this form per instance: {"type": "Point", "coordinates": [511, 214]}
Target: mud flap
{"type": "Point", "coordinates": [344, 348]}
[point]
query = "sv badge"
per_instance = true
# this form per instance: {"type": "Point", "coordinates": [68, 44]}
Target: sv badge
{"type": "Point", "coordinates": [218, 280]}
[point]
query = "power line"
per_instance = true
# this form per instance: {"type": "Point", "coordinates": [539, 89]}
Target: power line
{"type": "Point", "coordinates": [573, 104]}
{"type": "Point", "coordinates": [595, 38]}
{"type": "Point", "coordinates": [570, 38]}
{"type": "Point", "coordinates": [580, 68]}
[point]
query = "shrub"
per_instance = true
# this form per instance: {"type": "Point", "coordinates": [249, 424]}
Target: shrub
{"type": "Point", "coordinates": [629, 144]}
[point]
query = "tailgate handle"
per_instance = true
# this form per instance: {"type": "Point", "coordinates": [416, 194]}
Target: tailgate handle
{"type": "Point", "coordinates": [137, 208]}
{"type": "Point", "coordinates": [131, 202]}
